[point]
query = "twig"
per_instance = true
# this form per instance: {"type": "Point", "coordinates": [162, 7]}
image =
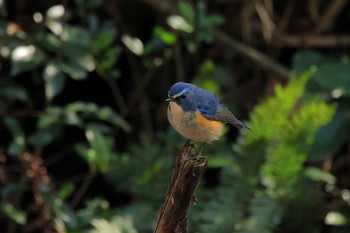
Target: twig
{"type": "Point", "coordinates": [313, 7]}
{"type": "Point", "coordinates": [283, 22]}
{"type": "Point", "coordinates": [251, 53]}
{"type": "Point", "coordinates": [329, 16]}
{"type": "Point", "coordinates": [117, 95]}
{"type": "Point", "coordinates": [314, 41]}
{"type": "Point", "coordinates": [82, 189]}
{"type": "Point", "coordinates": [187, 174]}
{"type": "Point", "coordinates": [246, 21]}
{"type": "Point", "coordinates": [267, 24]}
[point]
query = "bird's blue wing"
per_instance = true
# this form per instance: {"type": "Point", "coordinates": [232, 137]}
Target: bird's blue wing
{"type": "Point", "coordinates": [224, 115]}
{"type": "Point", "coordinates": [211, 109]}
{"type": "Point", "coordinates": [219, 113]}
{"type": "Point", "coordinates": [208, 104]}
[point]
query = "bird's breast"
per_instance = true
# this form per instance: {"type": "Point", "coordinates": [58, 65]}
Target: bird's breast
{"type": "Point", "coordinates": [192, 125]}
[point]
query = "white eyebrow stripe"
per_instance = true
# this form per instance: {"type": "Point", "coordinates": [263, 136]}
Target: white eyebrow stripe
{"type": "Point", "coordinates": [179, 94]}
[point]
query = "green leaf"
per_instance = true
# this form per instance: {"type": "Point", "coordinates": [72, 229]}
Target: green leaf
{"type": "Point", "coordinates": [17, 215]}
{"type": "Point", "coordinates": [63, 48]}
{"type": "Point", "coordinates": [61, 210]}
{"type": "Point", "coordinates": [134, 44]}
{"type": "Point", "coordinates": [179, 23]}
{"type": "Point", "coordinates": [336, 219]}
{"type": "Point", "coordinates": [11, 90]}
{"type": "Point", "coordinates": [92, 111]}
{"type": "Point", "coordinates": [55, 12]}
{"type": "Point", "coordinates": [99, 153]}
{"type": "Point", "coordinates": [191, 47]}
{"type": "Point", "coordinates": [45, 135]}
{"type": "Point", "coordinates": [48, 119]}
{"type": "Point", "coordinates": [24, 58]}
{"type": "Point", "coordinates": [165, 36]}
{"type": "Point", "coordinates": [334, 78]}
{"type": "Point", "coordinates": [84, 152]}
{"type": "Point", "coordinates": [72, 68]}
{"type": "Point", "coordinates": [212, 21]}
{"type": "Point", "coordinates": [304, 60]}
{"type": "Point", "coordinates": [101, 146]}
{"type": "Point", "coordinates": [317, 174]}
{"type": "Point", "coordinates": [102, 41]}
{"type": "Point", "coordinates": [86, 61]}
{"type": "Point", "coordinates": [329, 137]}
{"type": "Point", "coordinates": [66, 190]}
{"type": "Point", "coordinates": [108, 59]}
{"type": "Point", "coordinates": [54, 80]}
{"type": "Point", "coordinates": [76, 35]}
{"type": "Point", "coordinates": [48, 42]}
{"type": "Point", "coordinates": [74, 58]}
{"type": "Point", "coordinates": [18, 143]}
{"type": "Point", "coordinates": [13, 125]}
{"type": "Point", "coordinates": [187, 11]}
{"type": "Point", "coordinates": [206, 36]}
{"type": "Point", "coordinates": [40, 138]}
{"type": "Point", "coordinates": [15, 148]}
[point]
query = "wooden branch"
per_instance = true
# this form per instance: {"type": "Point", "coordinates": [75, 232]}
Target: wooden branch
{"type": "Point", "coordinates": [256, 56]}
{"type": "Point", "coordinates": [187, 174]}
{"type": "Point", "coordinates": [331, 13]}
{"type": "Point", "coordinates": [267, 23]}
{"type": "Point", "coordinates": [286, 40]}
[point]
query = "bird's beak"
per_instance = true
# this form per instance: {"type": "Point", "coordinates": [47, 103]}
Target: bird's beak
{"type": "Point", "coordinates": [169, 99]}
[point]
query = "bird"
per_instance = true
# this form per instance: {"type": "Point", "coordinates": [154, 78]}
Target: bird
{"type": "Point", "coordinates": [197, 114]}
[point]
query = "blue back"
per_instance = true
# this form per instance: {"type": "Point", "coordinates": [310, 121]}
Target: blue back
{"type": "Point", "coordinates": [204, 101]}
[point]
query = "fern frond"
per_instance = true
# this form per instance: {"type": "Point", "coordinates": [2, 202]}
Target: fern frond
{"type": "Point", "coordinates": [270, 158]}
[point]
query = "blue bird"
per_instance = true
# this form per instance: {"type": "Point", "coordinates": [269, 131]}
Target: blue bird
{"type": "Point", "coordinates": [197, 114]}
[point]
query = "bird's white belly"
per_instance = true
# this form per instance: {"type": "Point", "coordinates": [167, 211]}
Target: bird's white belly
{"type": "Point", "coordinates": [185, 124]}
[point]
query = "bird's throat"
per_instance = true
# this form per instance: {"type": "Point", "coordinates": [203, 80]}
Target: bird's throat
{"type": "Point", "coordinates": [174, 108]}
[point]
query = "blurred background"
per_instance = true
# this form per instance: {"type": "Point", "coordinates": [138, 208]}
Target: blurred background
{"type": "Point", "coordinates": [85, 145]}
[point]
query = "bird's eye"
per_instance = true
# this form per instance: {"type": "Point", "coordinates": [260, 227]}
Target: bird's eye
{"type": "Point", "coordinates": [183, 96]}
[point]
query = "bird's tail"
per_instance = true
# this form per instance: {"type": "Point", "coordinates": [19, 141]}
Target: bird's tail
{"type": "Point", "coordinates": [239, 124]}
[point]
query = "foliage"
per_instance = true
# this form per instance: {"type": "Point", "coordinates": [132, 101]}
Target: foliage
{"type": "Point", "coordinates": [85, 146]}
{"type": "Point", "coordinates": [267, 171]}
{"type": "Point", "coordinates": [334, 89]}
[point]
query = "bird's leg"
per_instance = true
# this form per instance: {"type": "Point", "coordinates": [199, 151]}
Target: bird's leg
{"type": "Point", "coordinates": [198, 156]}
{"type": "Point", "coordinates": [200, 152]}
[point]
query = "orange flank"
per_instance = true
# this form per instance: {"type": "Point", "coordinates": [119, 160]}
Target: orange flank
{"type": "Point", "coordinates": [211, 125]}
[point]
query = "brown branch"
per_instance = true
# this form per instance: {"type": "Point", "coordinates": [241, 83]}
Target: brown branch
{"type": "Point", "coordinates": [187, 174]}
{"type": "Point", "coordinates": [82, 189]}
{"type": "Point", "coordinates": [328, 18]}
{"type": "Point", "coordinates": [284, 21]}
{"type": "Point", "coordinates": [313, 9]}
{"type": "Point", "coordinates": [267, 24]}
{"type": "Point", "coordinates": [313, 41]}
{"type": "Point", "coordinates": [256, 56]}
{"type": "Point", "coordinates": [247, 11]}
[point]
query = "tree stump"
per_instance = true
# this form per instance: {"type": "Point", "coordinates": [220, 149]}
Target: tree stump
{"type": "Point", "coordinates": [187, 174]}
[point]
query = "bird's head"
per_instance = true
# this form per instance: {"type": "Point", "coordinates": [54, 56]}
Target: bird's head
{"type": "Point", "coordinates": [185, 95]}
